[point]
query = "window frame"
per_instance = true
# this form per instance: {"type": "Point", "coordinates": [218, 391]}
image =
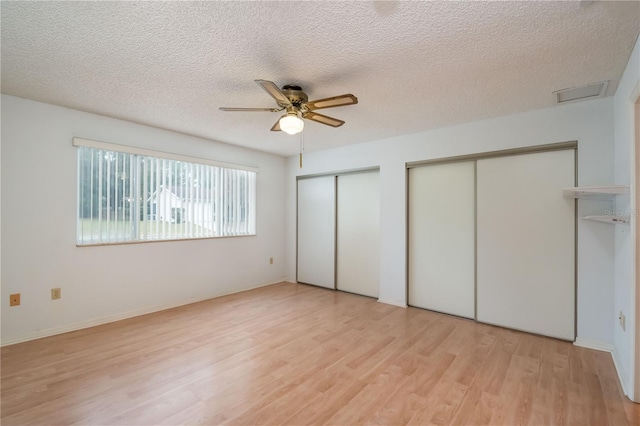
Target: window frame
{"type": "Point", "coordinates": [78, 142]}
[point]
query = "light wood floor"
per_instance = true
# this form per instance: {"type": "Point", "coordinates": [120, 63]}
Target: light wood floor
{"type": "Point", "coordinates": [293, 354]}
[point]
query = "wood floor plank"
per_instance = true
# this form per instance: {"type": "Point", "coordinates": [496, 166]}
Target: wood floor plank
{"type": "Point", "coordinates": [611, 390]}
{"type": "Point", "coordinates": [484, 410]}
{"type": "Point", "coordinates": [296, 354]}
{"type": "Point", "coordinates": [382, 385]}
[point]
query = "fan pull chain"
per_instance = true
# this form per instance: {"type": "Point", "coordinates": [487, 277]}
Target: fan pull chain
{"type": "Point", "coordinates": [301, 146]}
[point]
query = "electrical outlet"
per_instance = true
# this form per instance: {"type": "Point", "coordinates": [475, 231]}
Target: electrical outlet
{"type": "Point", "coordinates": [14, 299]}
{"type": "Point", "coordinates": [622, 320]}
{"type": "Point", "coordinates": [271, 261]}
{"type": "Point", "coordinates": [56, 293]}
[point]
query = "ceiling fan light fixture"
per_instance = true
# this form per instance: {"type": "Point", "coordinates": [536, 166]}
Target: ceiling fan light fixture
{"type": "Point", "coordinates": [291, 124]}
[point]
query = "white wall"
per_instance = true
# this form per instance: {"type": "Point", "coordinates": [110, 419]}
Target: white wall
{"type": "Point", "coordinates": [109, 282]}
{"type": "Point", "coordinates": [590, 123]}
{"type": "Point", "coordinates": [624, 290]}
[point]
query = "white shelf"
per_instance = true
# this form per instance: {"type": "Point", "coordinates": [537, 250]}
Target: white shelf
{"type": "Point", "coordinates": [609, 219]}
{"type": "Point", "coordinates": [596, 192]}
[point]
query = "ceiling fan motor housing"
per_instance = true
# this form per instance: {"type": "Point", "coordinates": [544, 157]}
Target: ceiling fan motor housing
{"type": "Point", "coordinates": [295, 95]}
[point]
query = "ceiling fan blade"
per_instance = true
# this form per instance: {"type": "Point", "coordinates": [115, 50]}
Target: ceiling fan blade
{"type": "Point", "coordinates": [335, 101]}
{"type": "Point", "coordinates": [274, 92]}
{"type": "Point", "coordinates": [276, 127]}
{"type": "Point", "coordinates": [251, 109]}
{"type": "Point", "coordinates": [329, 121]}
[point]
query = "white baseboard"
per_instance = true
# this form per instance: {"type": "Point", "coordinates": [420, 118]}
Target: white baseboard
{"type": "Point", "coordinates": [621, 372]}
{"type": "Point", "coordinates": [393, 302]}
{"type": "Point", "coordinates": [599, 346]}
{"type": "Point", "coordinates": [116, 317]}
{"type": "Point", "coordinates": [593, 344]}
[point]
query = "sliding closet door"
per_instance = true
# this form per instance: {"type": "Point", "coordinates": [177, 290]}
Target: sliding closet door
{"type": "Point", "coordinates": [526, 243]}
{"type": "Point", "coordinates": [442, 238]}
{"type": "Point", "coordinates": [359, 233]}
{"type": "Point", "coordinates": [316, 231]}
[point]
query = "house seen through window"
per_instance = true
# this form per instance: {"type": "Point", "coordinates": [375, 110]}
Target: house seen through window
{"type": "Point", "coordinates": [128, 196]}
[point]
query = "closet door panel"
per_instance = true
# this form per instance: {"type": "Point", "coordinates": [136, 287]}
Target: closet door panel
{"type": "Point", "coordinates": [358, 233]}
{"type": "Point", "coordinates": [316, 231]}
{"type": "Point", "coordinates": [526, 243]}
{"type": "Point", "coordinates": [442, 238]}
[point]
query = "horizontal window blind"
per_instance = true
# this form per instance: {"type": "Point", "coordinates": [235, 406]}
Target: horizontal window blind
{"type": "Point", "coordinates": [128, 196]}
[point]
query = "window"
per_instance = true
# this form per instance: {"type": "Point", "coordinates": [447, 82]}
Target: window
{"type": "Point", "coordinates": [128, 194]}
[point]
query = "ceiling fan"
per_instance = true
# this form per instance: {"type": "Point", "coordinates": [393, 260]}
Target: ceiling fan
{"type": "Point", "coordinates": [292, 99]}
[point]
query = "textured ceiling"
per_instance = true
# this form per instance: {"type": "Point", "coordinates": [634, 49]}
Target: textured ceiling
{"type": "Point", "coordinates": [413, 66]}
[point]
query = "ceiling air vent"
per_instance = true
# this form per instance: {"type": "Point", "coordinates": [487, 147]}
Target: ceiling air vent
{"type": "Point", "coordinates": [581, 93]}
